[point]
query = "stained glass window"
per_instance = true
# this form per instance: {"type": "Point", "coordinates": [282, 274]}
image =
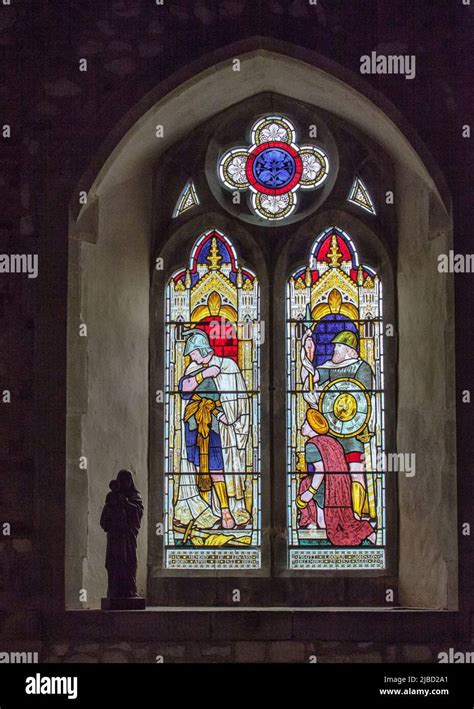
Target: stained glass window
{"type": "Point", "coordinates": [335, 410]}
{"type": "Point", "coordinates": [359, 195]}
{"type": "Point", "coordinates": [212, 397]}
{"type": "Point", "coordinates": [274, 168]}
{"type": "Point", "coordinates": [187, 199]}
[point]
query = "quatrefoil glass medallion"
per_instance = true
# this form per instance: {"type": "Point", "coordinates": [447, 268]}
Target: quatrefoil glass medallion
{"type": "Point", "coordinates": [274, 168]}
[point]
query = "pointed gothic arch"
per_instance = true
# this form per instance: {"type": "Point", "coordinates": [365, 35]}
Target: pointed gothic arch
{"type": "Point", "coordinates": [104, 289]}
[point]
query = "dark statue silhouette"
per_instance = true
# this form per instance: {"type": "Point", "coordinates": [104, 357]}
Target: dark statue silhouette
{"type": "Point", "coordinates": [121, 518]}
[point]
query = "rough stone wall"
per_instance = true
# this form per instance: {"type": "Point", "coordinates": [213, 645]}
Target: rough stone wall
{"type": "Point", "coordinates": [244, 651]}
{"type": "Point", "coordinates": [195, 651]}
{"type": "Point", "coordinates": [59, 118]}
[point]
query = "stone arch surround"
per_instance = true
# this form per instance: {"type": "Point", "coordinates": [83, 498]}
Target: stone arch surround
{"type": "Point", "coordinates": [109, 286]}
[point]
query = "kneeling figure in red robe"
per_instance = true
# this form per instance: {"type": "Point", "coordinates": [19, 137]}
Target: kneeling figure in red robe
{"type": "Point", "coordinates": [325, 460]}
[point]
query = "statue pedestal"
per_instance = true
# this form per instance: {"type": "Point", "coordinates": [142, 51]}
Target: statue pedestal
{"type": "Point", "coordinates": [123, 604]}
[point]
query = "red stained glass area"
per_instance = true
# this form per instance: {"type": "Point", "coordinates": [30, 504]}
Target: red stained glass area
{"type": "Point", "coordinates": [322, 254]}
{"type": "Point", "coordinates": [222, 337]}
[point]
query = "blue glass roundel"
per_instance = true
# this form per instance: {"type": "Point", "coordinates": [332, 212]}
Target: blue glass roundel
{"type": "Point", "coordinates": [274, 168]}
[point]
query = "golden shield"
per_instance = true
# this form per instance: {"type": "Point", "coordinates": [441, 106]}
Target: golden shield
{"type": "Point", "coordinates": [345, 403]}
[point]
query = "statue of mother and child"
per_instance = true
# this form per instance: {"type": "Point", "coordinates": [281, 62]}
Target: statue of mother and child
{"type": "Point", "coordinates": [121, 518]}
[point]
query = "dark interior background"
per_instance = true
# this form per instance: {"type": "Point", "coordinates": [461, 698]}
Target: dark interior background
{"type": "Point", "coordinates": [60, 117]}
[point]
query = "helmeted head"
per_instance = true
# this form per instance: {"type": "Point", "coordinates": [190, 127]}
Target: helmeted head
{"type": "Point", "coordinates": [197, 345]}
{"type": "Point", "coordinates": [314, 424]}
{"type": "Point", "coordinates": [345, 346]}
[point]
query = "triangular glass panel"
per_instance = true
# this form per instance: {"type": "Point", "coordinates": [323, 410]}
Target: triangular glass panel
{"type": "Point", "coordinates": [359, 195]}
{"type": "Point", "coordinates": [187, 199]}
